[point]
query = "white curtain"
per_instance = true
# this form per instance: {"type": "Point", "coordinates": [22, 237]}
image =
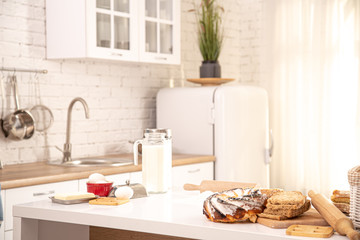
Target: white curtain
{"type": "Point", "coordinates": [312, 75]}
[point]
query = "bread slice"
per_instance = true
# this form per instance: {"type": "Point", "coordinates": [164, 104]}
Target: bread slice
{"type": "Point", "coordinates": [108, 201]}
{"type": "Point", "coordinates": [340, 199]}
{"type": "Point", "coordinates": [281, 207]}
{"type": "Point", "coordinates": [341, 192]}
{"type": "Point", "coordinates": [289, 213]}
{"type": "Point", "coordinates": [343, 207]}
{"type": "Point", "coordinates": [287, 198]}
{"type": "Point", "coordinates": [270, 216]}
{"type": "Point", "coordinates": [270, 191]}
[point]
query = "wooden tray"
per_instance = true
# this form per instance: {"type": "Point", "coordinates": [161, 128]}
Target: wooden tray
{"type": "Point", "coordinates": [310, 231]}
{"type": "Point", "coordinates": [311, 217]}
{"type": "Point", "coordinates": [210, 81]}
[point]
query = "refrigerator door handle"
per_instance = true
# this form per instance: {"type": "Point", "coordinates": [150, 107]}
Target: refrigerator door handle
{"type": "Point", "coordinates": [212, 114]}
{"type": "Point", "coordinates": [269, 152]}
{"type": "Point", "coordinates": [272, 144]}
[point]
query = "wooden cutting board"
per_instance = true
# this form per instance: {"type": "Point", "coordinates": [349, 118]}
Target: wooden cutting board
{"type": "Point", "coordinates": [311, 217]}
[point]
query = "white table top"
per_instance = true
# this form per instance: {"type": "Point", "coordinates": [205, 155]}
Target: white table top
{"type": "Point", "coordinates": [176, 213]}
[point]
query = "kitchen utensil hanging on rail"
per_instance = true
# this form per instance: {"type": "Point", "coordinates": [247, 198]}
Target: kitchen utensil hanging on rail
{"type": "Point", "coordinates": [2, 77]}
{"type": "Point", "coordinates": [20, 124]}
{"type": "Point", "coordinates": [42, 114]}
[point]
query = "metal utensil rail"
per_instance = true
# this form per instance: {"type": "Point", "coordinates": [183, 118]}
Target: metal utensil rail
{"type": "Point", "coordinates": [43, 71]}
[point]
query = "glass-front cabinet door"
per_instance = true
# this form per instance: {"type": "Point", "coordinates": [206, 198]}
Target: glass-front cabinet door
{"type": "Point", "coordinates": [112, 32]}
{"type": "Point", "coordinates": [160, 31]}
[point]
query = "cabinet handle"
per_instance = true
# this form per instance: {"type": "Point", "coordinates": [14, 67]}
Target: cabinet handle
{"type": "Point", "coordinates": [160, 58]}
{"type": "Point", "coordinates": [116, 54]}
{"type": "Point", "coordinates": [194, 171]}
{"type": "Point", "coordinates": [43, 193]}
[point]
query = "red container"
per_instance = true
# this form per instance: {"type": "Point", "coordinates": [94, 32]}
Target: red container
{"type": "Point", "coordinates": [100, 189]}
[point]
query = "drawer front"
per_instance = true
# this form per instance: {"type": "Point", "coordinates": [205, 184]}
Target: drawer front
{"type": "Point", "coordinates": [33, 193]}
{"type": "Point", "coordinates": [117, 179]}
{"type": "Point", "coordinates": [193, 174]}
{"type": "Point", "coordinates": [2, 228]}
{"type": "Point", "coordinates": [9, 235]}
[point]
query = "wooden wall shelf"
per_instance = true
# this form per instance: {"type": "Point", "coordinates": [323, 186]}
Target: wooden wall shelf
{"type": "Point", "coordinates": [210, 81]}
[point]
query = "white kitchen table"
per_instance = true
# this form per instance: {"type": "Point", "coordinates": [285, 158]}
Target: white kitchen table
{"type": "Point", "coordinates": [176, 213]}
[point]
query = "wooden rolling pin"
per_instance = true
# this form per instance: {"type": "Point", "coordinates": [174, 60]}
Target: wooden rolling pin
{"type": "Point", "coordinates": [217, 186]}
{"type": "Point", "coordinates": [333, 216]}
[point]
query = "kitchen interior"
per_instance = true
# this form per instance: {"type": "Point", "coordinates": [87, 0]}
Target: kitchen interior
{"type": "Point", "coordinates": [93, 92]}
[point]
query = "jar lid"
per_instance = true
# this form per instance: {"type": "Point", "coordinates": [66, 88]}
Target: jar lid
{"type": "Point", "coordinates": [167, 131]}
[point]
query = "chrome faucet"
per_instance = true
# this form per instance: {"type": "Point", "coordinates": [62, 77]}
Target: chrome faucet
{"type": "Point", "coordinates": [67, 145]}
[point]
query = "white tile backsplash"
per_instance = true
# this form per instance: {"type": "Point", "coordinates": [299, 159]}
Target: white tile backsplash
{"type": "Point", "coordinates": [121, 95]}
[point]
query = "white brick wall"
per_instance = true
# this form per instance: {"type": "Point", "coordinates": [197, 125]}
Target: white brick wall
{"type": "Point", "coordinates": [120, 95]}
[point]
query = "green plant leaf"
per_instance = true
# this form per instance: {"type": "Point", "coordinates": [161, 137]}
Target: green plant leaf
{"type": "Point", "coordinates": [210, 30]}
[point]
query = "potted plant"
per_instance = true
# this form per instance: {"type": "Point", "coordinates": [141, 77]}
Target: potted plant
{"type": "Point", "coordinates": [210, 37]}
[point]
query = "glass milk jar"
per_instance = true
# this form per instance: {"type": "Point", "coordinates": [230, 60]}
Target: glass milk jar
{"type": "Point", "coordinates": [156, 159]}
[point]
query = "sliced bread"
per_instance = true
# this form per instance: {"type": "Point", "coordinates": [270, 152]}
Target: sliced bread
{"type": "Point", "coordinates": [289, 213]}
{"type": "Point", "coordinates": [287, 198]}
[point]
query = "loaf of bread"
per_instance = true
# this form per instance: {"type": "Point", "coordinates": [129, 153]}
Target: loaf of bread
{"type": "Point", "coordinates": [235, 205]}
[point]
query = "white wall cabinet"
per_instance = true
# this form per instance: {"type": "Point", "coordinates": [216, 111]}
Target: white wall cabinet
{"type": "Point", "coordinates": [128, 30]}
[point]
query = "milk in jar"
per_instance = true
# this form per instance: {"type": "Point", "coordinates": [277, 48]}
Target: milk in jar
{"type": "Point", "coordinates": [156, 160]}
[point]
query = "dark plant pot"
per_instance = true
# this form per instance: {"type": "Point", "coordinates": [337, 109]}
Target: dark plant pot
{"type": "Point", "coordinates": [210, 69]}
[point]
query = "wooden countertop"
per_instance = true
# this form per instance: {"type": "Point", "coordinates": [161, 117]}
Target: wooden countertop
{"type": "Point", "coordinates": [21, 175]}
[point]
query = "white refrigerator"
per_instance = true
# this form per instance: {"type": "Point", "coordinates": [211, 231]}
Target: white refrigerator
{"type": "Point", "coordinates": [230, 122]}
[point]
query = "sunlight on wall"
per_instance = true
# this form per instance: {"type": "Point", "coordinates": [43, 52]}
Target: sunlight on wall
{"type": "Point", "coordinates": [344, 95]}
{"type": "Point", "coordinates": [314, 84]}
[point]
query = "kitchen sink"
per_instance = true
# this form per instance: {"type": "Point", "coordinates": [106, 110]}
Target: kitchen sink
{"type": "Point", "coordinates": [94, 162]}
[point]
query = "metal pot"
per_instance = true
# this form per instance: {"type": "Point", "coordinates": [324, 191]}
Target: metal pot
{"type": "Point", "coordinates": [20, 124]}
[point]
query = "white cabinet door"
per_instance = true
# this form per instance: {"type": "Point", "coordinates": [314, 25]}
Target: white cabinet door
{"type": "Point", "coordinates": [33, 193]}
{"type": "Point", "coordinates": [105, 29]}
{"type": "Point", "coordinates": [112, 29]}
{"type": "Point", "coordinates": [159, 31]}
{"type": "Point", "coordinates": [2, 228]}
{"type": "Point", "coordinates": [8, 235]}
{"type": "Point", "coordinates": [193, 174]}
{"type": "Point", "coordinates": [117, 179]}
